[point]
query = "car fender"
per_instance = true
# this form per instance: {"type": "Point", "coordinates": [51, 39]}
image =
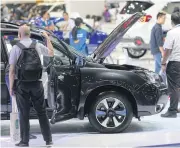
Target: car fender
{"type": "Point", "coordinates": [93, 78]}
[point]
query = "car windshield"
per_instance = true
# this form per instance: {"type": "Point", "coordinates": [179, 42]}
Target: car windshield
{"type": "Point", "coordinates": [71, 49]}
{"type": "Point", "coordinates": [135, 6]}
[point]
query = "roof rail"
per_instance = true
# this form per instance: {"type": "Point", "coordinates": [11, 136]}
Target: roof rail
{"type": "Point", "coordinates": [34, 28]}
{"type": "Point", "coordinates": [8, 25]}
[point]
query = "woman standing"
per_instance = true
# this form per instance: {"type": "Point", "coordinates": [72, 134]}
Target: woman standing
{"type": "Point", "coordinates": [79, 37]}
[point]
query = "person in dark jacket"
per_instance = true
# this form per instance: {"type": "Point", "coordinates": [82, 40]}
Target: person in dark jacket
{"type": "Point", "coordinates": [156, 42]}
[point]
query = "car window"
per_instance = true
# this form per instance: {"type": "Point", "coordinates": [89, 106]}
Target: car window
{"type": "Point", "coordinates": [58, 8]}
{"type": "Point", "coordinates": [135, 6]}
{"type": "Point", "coordinates": [59, 56]}
{"type": "Point", "coordinates": [59, 50]}
{"type": "Point", "coordinates": [169, 8]}
{"type": "Point", "coordinates": [11, 40]}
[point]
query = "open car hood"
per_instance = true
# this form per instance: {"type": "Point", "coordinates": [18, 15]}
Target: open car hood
{"type": "Point", "coordinates": [115, 37]}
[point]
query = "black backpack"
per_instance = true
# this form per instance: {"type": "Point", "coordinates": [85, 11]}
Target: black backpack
{"type": "Point", "coordinates": [28, 67]}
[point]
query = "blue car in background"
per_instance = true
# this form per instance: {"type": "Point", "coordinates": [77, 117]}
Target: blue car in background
{"type": "Point", "coordinates": [96, 37]}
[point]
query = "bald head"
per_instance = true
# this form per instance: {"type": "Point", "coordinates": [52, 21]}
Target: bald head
{"type": "Point", "coordinates": [24, 31]}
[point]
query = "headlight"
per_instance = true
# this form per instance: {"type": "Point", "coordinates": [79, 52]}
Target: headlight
{"type": "Point", "coordinates": [152, 77]}
{"type": "Point", "coordinates": [148, 75]}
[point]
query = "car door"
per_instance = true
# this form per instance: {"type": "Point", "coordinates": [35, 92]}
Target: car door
{"type": "Point", "coordinates": [5, 98]}
{"type": "Point", "coordinates": [66, 81]}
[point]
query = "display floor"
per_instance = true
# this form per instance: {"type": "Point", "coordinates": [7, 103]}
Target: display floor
{"type": "Point", "coordinates": [150, 131]}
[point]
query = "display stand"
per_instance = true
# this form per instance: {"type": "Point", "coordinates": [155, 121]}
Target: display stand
{"type": "Point", "coordinates": [14, 122]}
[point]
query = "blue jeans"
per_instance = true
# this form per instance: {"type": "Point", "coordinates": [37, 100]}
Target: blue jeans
{"type": "Point", "coordinates": [157, 58]}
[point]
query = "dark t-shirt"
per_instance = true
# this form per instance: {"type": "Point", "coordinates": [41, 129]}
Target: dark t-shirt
{"type": "Point", "coordinates": [156, 39]}
{"type": "Point", "coordinates": [18, 14]}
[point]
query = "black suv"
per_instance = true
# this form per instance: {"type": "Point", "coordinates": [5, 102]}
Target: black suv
{"type": "Point", "coordinates": [109, 95]}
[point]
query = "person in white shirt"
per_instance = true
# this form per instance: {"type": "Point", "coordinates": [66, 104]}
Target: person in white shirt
{"type": "Point", "coordinates": [172, 55]}
{"type": "Point", "coordinates": [67, 27]}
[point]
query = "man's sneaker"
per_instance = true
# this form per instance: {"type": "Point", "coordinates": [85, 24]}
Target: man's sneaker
{"type": "Point", "coordinates": [169, 114]}
{"type": "Point", "coordinates": [22, 144]}
{"type": "Point", "coordinates": [49, 143]}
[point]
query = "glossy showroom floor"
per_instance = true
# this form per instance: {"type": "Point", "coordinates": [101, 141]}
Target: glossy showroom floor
{"type": "Point", "coordinates": [152, 131]}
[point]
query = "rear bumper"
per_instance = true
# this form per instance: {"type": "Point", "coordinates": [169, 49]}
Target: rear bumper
{"type": "Point", "coordinates": [130, 43]}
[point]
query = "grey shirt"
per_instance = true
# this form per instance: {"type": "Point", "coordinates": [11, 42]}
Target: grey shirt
{"type": "Point", "coordinates": [156, 39]}
{"type": "Point", "coordinates": [16, 51]}
{"type": "Point", "coordinates": [172, 43]}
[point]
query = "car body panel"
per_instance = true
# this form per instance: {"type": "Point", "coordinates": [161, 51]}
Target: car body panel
{"type": "Point", "coordinates": [145, 94]}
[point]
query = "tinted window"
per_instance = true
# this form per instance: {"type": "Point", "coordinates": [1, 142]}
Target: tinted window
{"type": "Point", "coordinates": [11, 40]}
{"type": "Point", "coordinates": [170, 7]}
{"type": "Point", "coordinates": [135, 6]}
{"type": "Point", "coordinates": [59, 56]}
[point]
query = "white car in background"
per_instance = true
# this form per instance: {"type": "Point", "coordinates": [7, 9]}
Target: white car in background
{"type": "Point", "coordinates": [137, 39]}
{"type": "Point", "coordinates": [55, 9]}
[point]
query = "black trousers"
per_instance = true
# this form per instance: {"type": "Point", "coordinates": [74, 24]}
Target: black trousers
{"type": "Point", "coordinates": [34, 91]}
{"type": "Point", "coordinates": [173, 79]}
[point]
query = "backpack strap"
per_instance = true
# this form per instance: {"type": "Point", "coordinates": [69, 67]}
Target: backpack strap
{"type": "Point", "coordinates": [33, 45]}
{"type": "Point", "coordinates": [21, 46]}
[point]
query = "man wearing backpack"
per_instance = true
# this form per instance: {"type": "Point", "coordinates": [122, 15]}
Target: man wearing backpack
{"type": "Point", "coordinates": [25, 78]}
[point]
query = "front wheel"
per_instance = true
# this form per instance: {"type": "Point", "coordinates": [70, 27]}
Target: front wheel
{"type": "Point", "coordinates": [111, 113]}
{"type": "Point", "coordinates": [136, 53]}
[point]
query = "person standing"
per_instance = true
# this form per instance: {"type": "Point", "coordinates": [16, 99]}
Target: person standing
{"type": "Point", "coordinates": [156, 41]}
{"type": "Point", "coordinates": [19, 13]}
{"type": "Point", "coordinates": [5, 13]}
{"type": "Point", "coordinates": [172, 54]}
{"type": "Point", "coordinates": [45, 21]}
{"type": "Point", "coordinates": [26, 90]}
{"type": "Point", "coordinates": [107, 15]}
{"type": "Point", "coordinates": [67, 27]}
{"type": "Point", "coordinates": [79, 37]}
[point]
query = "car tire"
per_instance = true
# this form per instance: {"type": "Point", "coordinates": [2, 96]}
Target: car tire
{"type": "Point", "coordinates": [95, 122]}
{"type": "Point", "coordinates": [136, 56]}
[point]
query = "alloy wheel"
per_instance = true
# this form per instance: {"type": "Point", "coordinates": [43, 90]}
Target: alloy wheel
{"type": "Point", "coordinates": [110, 112]}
